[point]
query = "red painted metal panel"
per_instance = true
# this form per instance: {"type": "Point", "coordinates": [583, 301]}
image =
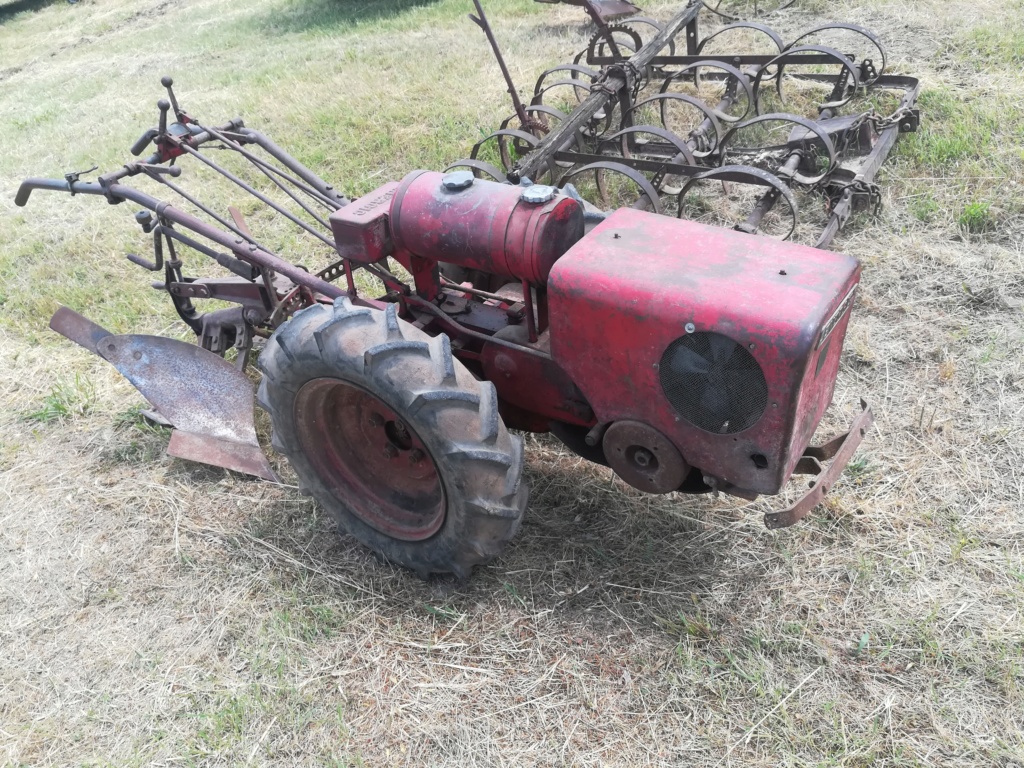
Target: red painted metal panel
{"type": "Point", "coordinates": [483, 225]}
{"type": "Point", "coordinates": [361, 227]}
{"type": "Point", "coordinates": [632, 286]}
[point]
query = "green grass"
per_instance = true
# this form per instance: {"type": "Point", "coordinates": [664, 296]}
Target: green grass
{"type": "Point", "coordinates": [66, 400]}
{"type": "Point", "coordinates": [994, 46]}
{"type": "Point", "coordinates": [976, 217]}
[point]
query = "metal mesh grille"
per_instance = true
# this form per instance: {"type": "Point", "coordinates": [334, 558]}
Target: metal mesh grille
{"type": "Point", "coordinates": [713, 382]}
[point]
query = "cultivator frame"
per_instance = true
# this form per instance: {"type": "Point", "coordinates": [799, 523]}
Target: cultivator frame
{"type": "Point", "coordinates": [834, 156]}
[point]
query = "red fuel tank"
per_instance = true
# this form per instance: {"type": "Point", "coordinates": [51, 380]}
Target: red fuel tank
{"type": "Point", "coordinates": [515, 232]}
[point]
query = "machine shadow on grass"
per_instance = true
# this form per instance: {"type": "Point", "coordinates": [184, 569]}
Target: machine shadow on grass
{"type": "Point", "coordinates": [587, 543]}
{"type": "Point", "coordinates": [323, 15]}
{"type": "Point", "coordinates": [9, 10]}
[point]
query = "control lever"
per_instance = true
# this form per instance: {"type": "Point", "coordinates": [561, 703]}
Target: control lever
{"type": "Point", "coordinates": [145, 220]}
{"type": "Point", "coordinates": [163, 105]}
{"type": "Point", "coordinates": [167, 82]}
{"type": "Point", "coordinates": [147, 138]}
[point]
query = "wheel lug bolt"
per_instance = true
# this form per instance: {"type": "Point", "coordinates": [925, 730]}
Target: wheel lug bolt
{"type": "Point", "coordinates": [415, 456]}
{"type": "Point", "coordinates": [390, 451]}
{"type": "Point", "coordinates": [376, 419]}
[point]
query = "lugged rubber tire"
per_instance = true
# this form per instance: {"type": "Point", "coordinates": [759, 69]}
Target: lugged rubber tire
{"type": "Point", "coordinates": [454, 415]}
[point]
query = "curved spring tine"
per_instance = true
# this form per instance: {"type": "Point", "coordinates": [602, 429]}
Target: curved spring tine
{"type": "Point", "coordinates": [538, 110]}
{"type": "Point", "coordinates": [633, 175]}
{"type": "Point", "coordinates": [662, 133]}
{"type": "Point", "coordinates": [538, 96]}
{"type": "Point", "coordinates": [745, 174]}
{"type": "Point", "coordinates": [696, 134]}
{"type": "Point", "coordinates": [762, 28]}
{"type": "Point", "coordinates": [543, 109]}
{"type": "Point", "coordinates": [501, 135]}
{"type": "Point", "coordinates": [573, 69]}
{"type": "Point", "coordinates": [792, 55]}
{"type": "Point", "coordinates": [479, 166]}
{"type": "Point", "coordinates": [599, 126]}
{"type": "Point", "coordinates": [803, 122]}
{"type": "Point", "coordinates": [730, 70]}
{"type": "Point", "coordinates": [658, 26]}
{"type": "Point", "coordinates": [871, 36]}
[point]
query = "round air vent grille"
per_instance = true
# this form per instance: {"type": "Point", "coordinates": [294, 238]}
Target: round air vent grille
{"type": "Point", "coordinates": [713, 382]}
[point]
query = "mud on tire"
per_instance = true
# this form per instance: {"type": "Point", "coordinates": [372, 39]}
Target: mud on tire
{"type": "Point", "coordinates": [369, 410]}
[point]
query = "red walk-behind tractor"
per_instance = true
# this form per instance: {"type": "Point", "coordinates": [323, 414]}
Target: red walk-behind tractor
{"type": "Point", "coordinates": [685, 357]}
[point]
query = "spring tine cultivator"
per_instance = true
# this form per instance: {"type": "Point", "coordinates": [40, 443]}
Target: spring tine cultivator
{"type": "Point", "coordinates": [784, 141]}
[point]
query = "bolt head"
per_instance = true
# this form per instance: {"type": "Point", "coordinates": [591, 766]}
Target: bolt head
{"type": "Point", "coordinates": [390, 451]}
{"type": "Point", "coordinates": [376, 419]}
{"type": "Point", "coordinates": [690, 327]}
{"type": "Point", "coordinates": [416, 456]}
{"type": "Point", "coordinates": [537, 194]}
{"type": "Point", "coordinates": [457, 180]}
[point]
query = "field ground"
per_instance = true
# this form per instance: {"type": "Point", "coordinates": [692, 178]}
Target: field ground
{"type": "Point", "coordinates": [159, 613]}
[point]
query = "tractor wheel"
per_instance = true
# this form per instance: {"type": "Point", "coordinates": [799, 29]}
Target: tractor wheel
{"type": "Point", "coordinates": [394, 437]}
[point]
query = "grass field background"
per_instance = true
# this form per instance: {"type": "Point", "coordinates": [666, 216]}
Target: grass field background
{"type": "Point", "coordinates": [155, 612]}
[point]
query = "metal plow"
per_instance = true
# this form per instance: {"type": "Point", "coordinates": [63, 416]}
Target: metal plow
{"type": "Point", "coordinates": [737, 127]}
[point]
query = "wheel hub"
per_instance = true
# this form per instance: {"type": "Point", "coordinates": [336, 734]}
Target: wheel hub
{"type": "Point", "coordinates": [370, 459]}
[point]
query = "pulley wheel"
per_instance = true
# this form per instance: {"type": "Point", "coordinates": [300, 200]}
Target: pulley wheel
{"type": "Point", "coordinates": [644, 457]}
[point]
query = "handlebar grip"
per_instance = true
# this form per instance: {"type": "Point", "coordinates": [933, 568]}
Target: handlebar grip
{"type": "Point", "coordinates": [144, 263]}
{"type": "Point", "coordinates": [21, 199]}
{"type": "Point", "coordinates": [143, 141]}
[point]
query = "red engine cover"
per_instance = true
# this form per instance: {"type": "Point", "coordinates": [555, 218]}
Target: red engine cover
{"type": "Point", "coordinates": [727, 343]}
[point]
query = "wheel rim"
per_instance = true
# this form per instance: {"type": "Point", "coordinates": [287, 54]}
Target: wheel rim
{"type": "Point", "coordinates": [370, 459]}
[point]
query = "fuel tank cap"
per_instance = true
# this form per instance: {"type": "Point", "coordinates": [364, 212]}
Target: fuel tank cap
{"type": "Point", "coordinates": [457, 180]}
{"type": "Point", "coordinates": [538, 193]}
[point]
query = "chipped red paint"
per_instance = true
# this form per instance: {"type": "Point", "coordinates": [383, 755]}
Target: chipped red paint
{"type": "Point", "coordinates": [629, 289]}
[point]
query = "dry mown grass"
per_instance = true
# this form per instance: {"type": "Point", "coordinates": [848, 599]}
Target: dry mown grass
{"type": "Point", "coordinates": [156, 612]}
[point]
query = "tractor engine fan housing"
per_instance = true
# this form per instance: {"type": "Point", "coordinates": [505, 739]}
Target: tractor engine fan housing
{"type": "Point", "coordinates": [720, 344]}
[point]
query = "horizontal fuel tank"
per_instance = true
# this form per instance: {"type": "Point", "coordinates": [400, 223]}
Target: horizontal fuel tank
{"type": "Point", "coordinates": [515, 232]}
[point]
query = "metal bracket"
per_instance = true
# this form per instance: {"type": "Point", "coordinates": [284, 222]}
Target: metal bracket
{"type": "Point", "coordinates": [840, 448]}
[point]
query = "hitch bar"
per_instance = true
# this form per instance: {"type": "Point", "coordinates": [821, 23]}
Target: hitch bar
{"type": "Point", "coordinates": [842, 448]}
